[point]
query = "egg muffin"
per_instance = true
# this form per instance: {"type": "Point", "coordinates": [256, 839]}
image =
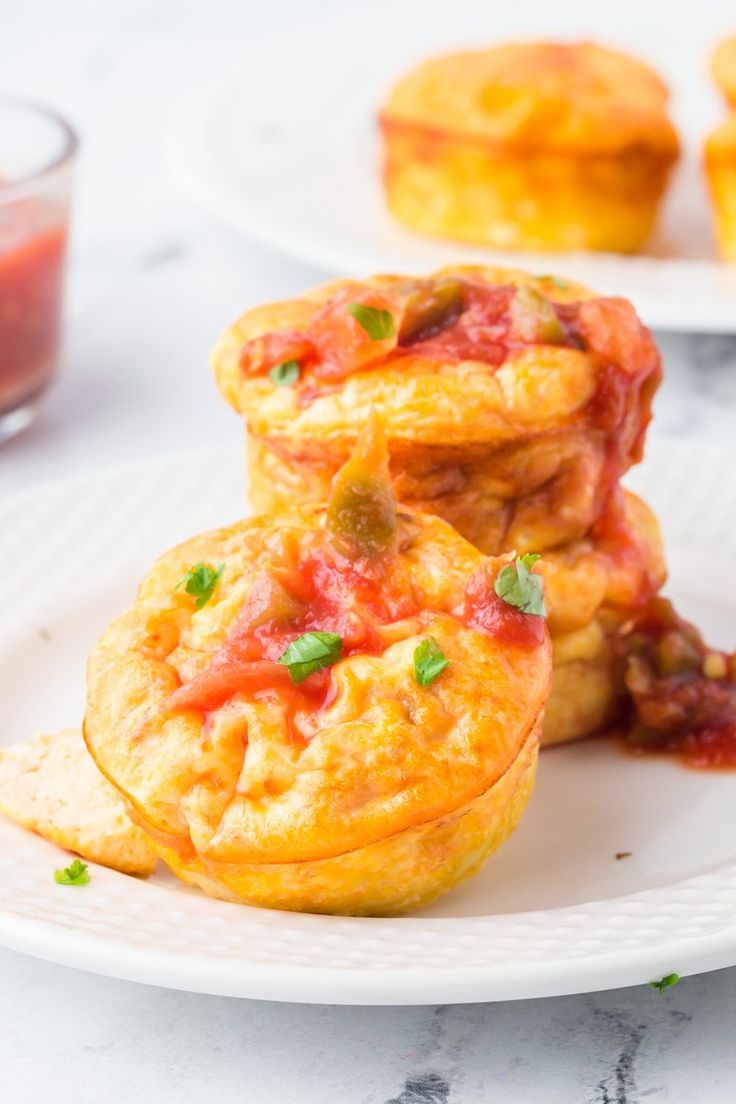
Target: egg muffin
{"type": "Point", "coordinates": [291, 707]}
{"type": "Point", "coordinates": [723, 68]}
{"type": "Point", "coordinates": [720, 169]}
{"type": "Point", "coordinates": [512, 403]}
{"type": "Point", "coordinates": [544, 146]}
{"type": "Point", "coordinates": [594, 589]}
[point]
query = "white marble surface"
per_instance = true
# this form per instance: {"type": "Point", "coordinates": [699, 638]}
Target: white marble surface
{"type": "Point", "coordinates": [152, 281]}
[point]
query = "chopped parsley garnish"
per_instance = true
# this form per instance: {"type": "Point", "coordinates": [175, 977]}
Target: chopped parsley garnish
{"type": "Point", "coordinates": [200, 581]}
{"type": "Point", "coordinates": [429, 661]}
{"type": "Point", "coordinates": [378, 324]}
{"type": "Point", "coordinates": [519, 587]}
{"type": "Point", "coordinates": [665, 983]}
{"type": "Point", "coordinates": [284, 375]}
{"type": "Point", "coordinates": [311, 652]}
{"type": "Point", "coordinates": [74, 874]}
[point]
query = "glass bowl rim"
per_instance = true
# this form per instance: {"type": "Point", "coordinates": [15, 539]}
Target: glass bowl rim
{"type": "Point", "coordinates": [69, 146]}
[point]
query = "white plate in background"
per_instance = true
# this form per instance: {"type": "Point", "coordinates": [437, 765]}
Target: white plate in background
{"type": "Point", "coordinates": [553, 912]}
{"type": "Point", "coordinates": [286, 149]}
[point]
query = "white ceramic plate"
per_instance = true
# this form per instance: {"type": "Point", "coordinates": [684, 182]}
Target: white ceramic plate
{"type": "Point", "coordinates": [553, 912]}
{"type": "Point", "coordinates": [286, 148]}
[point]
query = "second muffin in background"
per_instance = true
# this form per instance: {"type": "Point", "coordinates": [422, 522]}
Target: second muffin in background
{"type": "Point", "coordinates": [547, 146]}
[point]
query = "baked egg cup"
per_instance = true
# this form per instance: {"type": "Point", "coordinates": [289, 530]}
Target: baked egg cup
{"type": "Point", "coordinates": [332, 710]}
{"type": "Point", "coordinates": [538, 146]}
{"type": "Point", "coordinates": [512, 404]}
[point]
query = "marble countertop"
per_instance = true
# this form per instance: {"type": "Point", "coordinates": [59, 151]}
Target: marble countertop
{"type": "Point", "coordinates": [152, 281]}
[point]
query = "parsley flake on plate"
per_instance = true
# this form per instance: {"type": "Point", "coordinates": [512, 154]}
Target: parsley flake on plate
{"type": "Point", "coordinates": [74, 874]}
{"type": "Point", "coordinates": [286, 374]}
{"type": "Point", "coordinates": [311, 652]}
{"type": "Point", "coordinates": [200, 581]}
{"type": "Point", "coordinates": [519, 587]}
{"type": "Point", "coordinates": [665, 983]}
{"type": "Point", "coordinates": [378, 324]}
{"type": "Point", "coordinates": [429, 661]}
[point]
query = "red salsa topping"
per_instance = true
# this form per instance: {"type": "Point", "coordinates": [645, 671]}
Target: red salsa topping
{"type": "Point", "coordinates": [324, 592]}
{"type": "Point", "coordinates": [461, 318]}
{"type": "Point", "coordinates": [615, 536]}
{"type": "Point", "coordinates": [486, 611]}
{"type": "Point", "coordinates": [327, 592]}
{"type": "Point", "coordinates": [451, 319]}
{"type": "Point", "coordinates": [683, 694]}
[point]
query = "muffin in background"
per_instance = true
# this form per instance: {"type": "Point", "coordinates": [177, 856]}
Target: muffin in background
{"type": "Point", "coordinates": [723, 68]}
{"type": "Point", "coordinates": [720, 170]}
{"type": "Point", "coordinates": [544, 146]}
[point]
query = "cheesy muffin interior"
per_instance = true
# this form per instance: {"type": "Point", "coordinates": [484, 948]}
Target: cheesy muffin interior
{"type": "Point", "coordinates": [537, 145]}
{"type": "Point", "coordinates": [512, 404]}
{"type": "Point", "coordinates": [307, 702]}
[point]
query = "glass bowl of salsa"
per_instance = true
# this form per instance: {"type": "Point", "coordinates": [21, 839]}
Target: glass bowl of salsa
{"type": "Point", "coordinates": [37, 151]}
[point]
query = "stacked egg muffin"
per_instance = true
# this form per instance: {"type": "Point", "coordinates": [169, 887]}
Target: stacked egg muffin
{"type": "Point", "coordinates": [512, 406]}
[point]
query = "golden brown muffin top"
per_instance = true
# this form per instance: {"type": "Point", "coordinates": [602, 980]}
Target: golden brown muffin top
{"type": "Point", "coordinates": [723, 67]}
{"type": "Point", "coordinates": [209, 722]}
{"type": "Point", "coordinates": [578, 97]}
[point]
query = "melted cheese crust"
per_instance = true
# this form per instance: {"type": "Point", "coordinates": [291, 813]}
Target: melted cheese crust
{"type": "Point", "coordinates": [384, 756]}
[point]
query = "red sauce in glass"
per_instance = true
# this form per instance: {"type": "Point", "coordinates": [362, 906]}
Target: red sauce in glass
{"type": "Point", "coordinates": [30, 315]}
